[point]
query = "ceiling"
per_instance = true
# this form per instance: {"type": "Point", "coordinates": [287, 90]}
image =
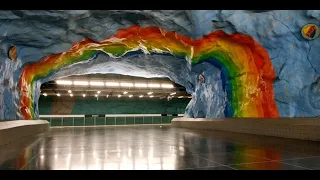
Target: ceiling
{"type": "Point", "coordinates": [114, 86]}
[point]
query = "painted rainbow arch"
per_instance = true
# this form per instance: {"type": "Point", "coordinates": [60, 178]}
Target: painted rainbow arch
{"type": "Point", "coordinates": [247, 72]}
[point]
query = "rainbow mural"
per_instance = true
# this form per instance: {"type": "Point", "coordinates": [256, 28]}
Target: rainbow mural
{"type": "Point", "coordinates": [247, 72]}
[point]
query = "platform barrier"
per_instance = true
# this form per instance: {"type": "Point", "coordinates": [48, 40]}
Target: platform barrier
{"type": "Point", "coordinates": [108, 119]}
{"type": "Point", "coordinates": [294, 128]}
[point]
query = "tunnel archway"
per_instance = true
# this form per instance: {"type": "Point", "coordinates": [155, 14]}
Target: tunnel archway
{"type": "Point", "coordinates": [245, 67]}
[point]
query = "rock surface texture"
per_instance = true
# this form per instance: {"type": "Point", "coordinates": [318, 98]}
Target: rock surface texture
{"type": "Point", "coordinates": [39, 34]}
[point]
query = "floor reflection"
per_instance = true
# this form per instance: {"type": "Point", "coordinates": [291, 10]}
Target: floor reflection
{"type": "Point", "coordinates": [157, 148]}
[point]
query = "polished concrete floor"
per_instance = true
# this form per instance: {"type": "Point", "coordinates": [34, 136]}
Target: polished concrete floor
{"type": "Point", "coordinates": [154, 147]}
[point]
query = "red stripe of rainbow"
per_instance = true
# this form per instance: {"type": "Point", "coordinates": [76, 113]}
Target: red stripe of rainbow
{"type": "Point", "coordinates": [246, 66]}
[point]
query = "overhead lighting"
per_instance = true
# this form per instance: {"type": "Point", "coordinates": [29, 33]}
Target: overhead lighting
{"type": "Point", "coordinates": [167, 86]}
{"type": "Point", "coordinates": [45, 94]}
{"type": "Point", "coordinates": [84, 95]}
{"type": "Point", "coordinates": [173, 93]}
{"type": "Point", "coordinates": [180, 97]}
{"type": "Point", "coordinates": [126, 84]}
{"type": "Point", "coordinates": [96, 83]}
{"type": "Point", "coordinates": [96, 95]}
{"type": "Point", "coordinates": [119, 96]}
{"type": "Point", "coordinates": [112, 84]}
{"type": "Point", "coordinates": [130, 96]}
{"type": "Point", "coordinates": [107, 95]}
{"type": "Point", "coordinates": [83, 83]}
{"type": "Point", "coordinates": [98, 92]}
{"type": "Point", "coordinates": [151, 96]}
{"type": "Point", "coordinates": [69, 91]}
{"type": "Point", "coordinates": [71, 95]}
{"type": "Point", "coordinates": [154, 85]}
{"type": "Point", "coordinates": [125, 92]}
{"type": "Point", "coordinates": [190, 97]}
{"type": "Point", "coordinates": [150, 93]}
{"type": "Point", "coordinates": [64, 82]}
{"type": "Point", "coordinates": [58, 95]}
{"type": "Point", "coordinates": [140, 85]}
{"type": "Point", "coordinates": [140, 96]}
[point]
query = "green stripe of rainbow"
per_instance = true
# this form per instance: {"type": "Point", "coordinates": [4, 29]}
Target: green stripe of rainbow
{"type": "Point", "coordinates": [245, 64]}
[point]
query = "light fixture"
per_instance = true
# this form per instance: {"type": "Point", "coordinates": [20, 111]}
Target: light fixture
{"type": "Point", "coordinates": [83, 83]}
{"type": "Point", "coordinates": [98, 92]}
{"type": "Point", "coordinates": [111, 83]}
{"type": "Point", "coordinates": [71, 95]}
{"type": "Point", "coordinates": [45, 94]}
{"type": "Point", "coordinates": [96, 83]}
{"type": "Point", "coordinates": [84, 95]}
{"type": "Point", "coordinates": [173, 93]}
{"type": "Point", "coordinates": [124, 84]}
{"type": "Point", "coordinates": [96, 95]}
{"type": "Point", "coordinates": [58, 95]}
{"type": "Point", "coordinates": [119, 95]}
{"type": "Point", "coordinates": [151, 96]}
{"type": "Point", "coordinates": [140, 96]}
{"type": "Point", "coordinates": [130, 96]}
{"type": "Point", "coordinates": [150, 93]}
{"type": "Point", "coordinates": [107, 95]}
{"type": "Point", "coordinates": [64, 82]}
{"type": "Point", "coordinates": [125, 92]}
{"type": "Point", "coordinates": [154, 85]}
{"type": "Point", "coordinates": [140, 85]}
{"type": "Point", "coordinates": [69, 91]}
{"type": "Point", "coordinates": [180, 97]}
{"type": "Point", "coordinates": [167, 86]}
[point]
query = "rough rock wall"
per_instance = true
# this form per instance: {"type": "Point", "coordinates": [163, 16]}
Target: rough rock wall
{"type": "Point", "coordinates": [37, 34]}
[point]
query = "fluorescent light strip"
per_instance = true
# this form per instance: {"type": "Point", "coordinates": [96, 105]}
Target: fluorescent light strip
{"type": "Point", "coordinates": [140, 85]}
{"type": "Point", "coordinates": [112, 84]}
{"type": "Point", "coordinates": [83, 83]}
{"type": "Point", "coordinates": [154, 85]}
{"type": "Point", "coordinates": [96, 83]}
{"type": "Point", "coordinates": [150, 93]}
{"type": "Point", "coordinates": [180, 97]}
{"type": "Point", "coordinates": [64, 82]}
{"type": "Point", "coordinates": [173, 93]}
{"type": "Point", "coordinates": [167, 86]}
{"type": "Point", "coordinates": [125, 84]}
{"type": "Point", "coordinates": [45, 94]}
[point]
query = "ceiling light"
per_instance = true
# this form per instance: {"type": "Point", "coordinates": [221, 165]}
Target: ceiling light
{"type": "Point", "coordinates": [126, 84]}
{"type": "Point", "coordinates": [71, 95]}
{"type": "Point", "coordinates": [84, 95]}
{"type": "Point", "coordinates": [119, 95]}
{"type": "Point", "coordinates": [45, 94]}
{"type": "Point", "coordinates": [84, 83]}
{"type": "Point", "coordinates": [112, 84]}
{"type": "Point", "coordinates": [180, 97]}
{"type": "Point", "coordinates": [150, 93]}
{"type": "Point", "coordinates": [64, 82]}
{"type": "Point", "coordinates": [58, 95]}
{"type": "Point", "coordinates": [154, 85]}
{"type": "Point", "coordinates": [98, 92]}
{"type": "Point", "coordinates": [140, 96]}
{"type": "Point", "coordinates": [173, 93]}
{"type": "Point", "coordinates": [167, 86]}
{"type": "Point", "coordinates": [151, 96]}
{"type": "Point", "coordinates": [130, 96]}
{"type": "Point", "coordinates": [96, 95]}
{"type": "Point", "coordinates": [107, 95]}
{"type": "Point", "coordinates": [96, 83]}
{"type": "Point", "coordinates": [140, 85]}
{"type": "Point", "coordinates": [69, 91]}
{"type": "Point", "coordinates": [125, 92]}
{"type": "Point", "coordinates": [190, 97]}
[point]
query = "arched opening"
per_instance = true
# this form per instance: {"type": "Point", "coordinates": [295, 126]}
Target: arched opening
{"type": "Point", "coordinates": [234, 65]}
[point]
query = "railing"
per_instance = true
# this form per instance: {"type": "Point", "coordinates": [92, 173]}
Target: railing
{"type": "Point", "coordinates": [108, 119]}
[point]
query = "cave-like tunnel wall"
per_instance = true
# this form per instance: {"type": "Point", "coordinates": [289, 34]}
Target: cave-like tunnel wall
{"type": "Point", "coordinates": [295, 60]}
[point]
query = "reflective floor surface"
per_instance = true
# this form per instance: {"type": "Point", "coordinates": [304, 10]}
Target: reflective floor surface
{"type": "Point", "coordinates": [151, 147]}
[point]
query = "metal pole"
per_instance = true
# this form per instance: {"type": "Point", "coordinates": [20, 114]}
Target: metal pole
{"type": "Point", "coordinates": [115, 120]}
{"type": "Point", "coordinates": [62, 121]}
{"type": "Point", "coordinates": [72, 121]}
{"type": "Point", "coordinates": [134, 120]}
{"type": "Point", "coordinates": [84, 121]}
{"type": "Point", "coordinates": [105, 120]}
{"type": "Point", "coordinates": [142, 119]}
{"type": "Point", "coordinates": [152, 119]}
{"type": "Point", "coordinates": [50, 121]}
{"type": "Point", "coordinates": [94, 121]}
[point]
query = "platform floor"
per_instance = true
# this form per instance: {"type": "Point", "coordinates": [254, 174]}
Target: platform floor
{"type": "Point", "coordinates": [153, 147]}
